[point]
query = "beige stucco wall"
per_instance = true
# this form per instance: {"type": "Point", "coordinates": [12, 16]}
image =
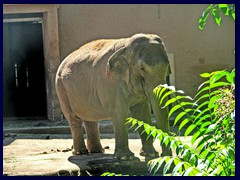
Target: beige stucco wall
{"type": "Point", "coordinates": [194, 51]}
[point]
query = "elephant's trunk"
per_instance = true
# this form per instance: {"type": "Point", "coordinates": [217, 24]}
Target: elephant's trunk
{"type": "Point", "coordinates": [161, 116]}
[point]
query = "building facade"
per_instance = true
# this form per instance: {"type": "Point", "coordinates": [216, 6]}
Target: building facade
{"type": "Point", "coordinates": [63, 28]}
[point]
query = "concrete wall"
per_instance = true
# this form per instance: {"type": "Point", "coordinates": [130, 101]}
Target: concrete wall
{"type": "Point", "coordinates": [194, 51]}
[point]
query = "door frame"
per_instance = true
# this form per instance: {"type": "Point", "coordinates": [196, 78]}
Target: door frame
{"type": "Point", "coordinates": [50, 49]}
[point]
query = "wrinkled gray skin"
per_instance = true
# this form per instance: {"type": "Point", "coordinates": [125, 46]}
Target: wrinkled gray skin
{"type": "Point", "coordinates": [113, 79]}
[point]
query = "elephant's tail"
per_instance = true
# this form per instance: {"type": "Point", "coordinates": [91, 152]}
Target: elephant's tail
{"type": "Point", "coordinates": [62, 97]}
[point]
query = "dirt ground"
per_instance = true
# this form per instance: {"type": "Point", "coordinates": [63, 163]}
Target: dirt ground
{"type": "Point", "coordinates": [50, 155]}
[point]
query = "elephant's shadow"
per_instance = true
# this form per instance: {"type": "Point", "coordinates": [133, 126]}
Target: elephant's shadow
{"type": "Point", "coordinates": [97, 164]}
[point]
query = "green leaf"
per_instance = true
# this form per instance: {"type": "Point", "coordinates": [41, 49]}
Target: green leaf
{"type": "Point", "coordinates": [205, 75]}
{"type": "Point", "coordinates": [152, 164]}
{"type": "Point", "coordinates": [160, 136]}
{"type": "Point", "coordinates": [153, 134]}
{"type": "Point", "coordinates": [173, 144]}
{"type": "Point", "coordinates": [167, 166]}
{"type": "Point", "coordinates": [206, 113]}
{"type": "Point", "coordinates": [213, 101]}
{"type": "Point", "coordinates": [201, 174]}
{"type": "Point", "coordinates": [194, 159]}
{"type": "Point", "coordinates": [200, 107]}
{"type": "Point", "coordinates": [140, 123]}
{"type": "Point", "coordinates": [166, 140]}
{"type": "Point", "coordinates": [211, 128]}
{"type": "Point", "coordinates": [205, 124]}
{"type": "Point", "coordinates": [179, 149]}
{"type": "Point", "coordinates": [219, 84]}
{"type": "Point", "coordinates": [189, 129]}
{"type": "Point", "coordinates": [230, 77]}
{"type": "Point", "coordinates": [196, 135]}
{"type": "Point", "coordinates": [166, 95]}
{"type": "Point", "coordinates": [176, 107]}
{"type": "Point", "coordinates": [133, 123]}
{"type": "Point", "coordinates": [108, 174]}
{"type": "Point", "coordinates": [188, 172]}
{"type": "Point", "coordinates": [203, 18]}
{"type": "Point", "coordinates": [146, 128]}
{"type": "Point", "coordinates": [204, 95]}
{"type": "Point", "coordinates": [203, 141]}
{"type": "Point", "coordinates": [179, 116]}
{"type": "Point", "coordinates": [204, 152]}
{"type": "Point", "coordinates": [185, 154]}
{"type": "Point", "coordinates": [233, 15]}
{"type": "Point", "coordinates": [129, 120]}
{"type": "Point", "coordinates": [160, 162]}
{"type": "Point", "coordinates": [211, 156]}
{"type": "Point", "coordinates": [203, 119]}
{"type": "Point", "coordinates": [183, 123]}
{"type": "Point", "coordinates": [216, 171]}
{"type": "Point", "coordinates": [203, 84]}
{"type": "Point", "coordinates": [224, 8]}
{"type": "Point", "coordinates": [216, 75]}
{"type": "Point", "coordinates": [158, 91]}
{"type": "Point", "coordinates": [174, 99]}
{"type": "Point", "coordinates": [178, 167]}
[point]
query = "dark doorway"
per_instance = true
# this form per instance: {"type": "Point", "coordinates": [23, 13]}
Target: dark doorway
{"type": "Point", "coordinates": [24, 91]}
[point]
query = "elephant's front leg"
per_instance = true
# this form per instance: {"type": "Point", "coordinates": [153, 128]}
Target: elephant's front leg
{"type": "Point", "coordinates": [161, 116]}
{"type": "Point", "coordinates": [142, 112]}
{"type": "Point", "coordinates": [163, 124]}
{"type": "Point", "coordinates": [119, 115]}
{"type": "Point", "coordinates": [122, 150]}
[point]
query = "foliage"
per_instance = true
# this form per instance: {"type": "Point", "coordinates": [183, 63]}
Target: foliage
{"type": "Point", "coordinates": [211, 116]}
{"type": "Point", "coordinates": [112, 174]}
{"type": "Point", "coordinates": [216, 10]}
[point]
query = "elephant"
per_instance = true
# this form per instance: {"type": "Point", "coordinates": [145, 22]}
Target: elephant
{"type": "Point", "coordinates": [113, 79]}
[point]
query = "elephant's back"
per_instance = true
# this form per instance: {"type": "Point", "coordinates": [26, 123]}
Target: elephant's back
{"type": "Point", "coordinates": [88, 57]}
{"type": "Point", "coordinates": [83, 75]}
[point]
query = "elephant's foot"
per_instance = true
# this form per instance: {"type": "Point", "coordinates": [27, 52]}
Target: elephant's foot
{"type": "Point", "coordinates": [166, 151]}
{"type": "Point", "coordinates": [124, 155]}
{"type": "Point", "coordinates": [151, 152]}
{"type": "Point", "coordinates": [96, 149]}
{"type": "Point", "coordinates": [79, 151]}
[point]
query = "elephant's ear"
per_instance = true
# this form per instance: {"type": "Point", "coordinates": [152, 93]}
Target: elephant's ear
{"type": "Point", "coordinates": [117, 66]}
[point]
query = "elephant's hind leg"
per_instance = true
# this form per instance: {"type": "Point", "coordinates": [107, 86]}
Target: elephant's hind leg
{"type": "Point", "coordinates": [93, 139]}
{"type": "Point", "coordinates": [75, 123]}
{"type": "Point", "coordinates": [79, 146]}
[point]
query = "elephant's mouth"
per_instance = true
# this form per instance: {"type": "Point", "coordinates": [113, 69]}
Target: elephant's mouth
{"type": "Point", "coordinates": [145, 90]}
{"type": "Point", "coordinates": [143, 85]}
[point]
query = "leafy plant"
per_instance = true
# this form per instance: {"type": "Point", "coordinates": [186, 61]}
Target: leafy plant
{"type": "Point", "coordinates": [112, 174]}
{"type": "Point", "coordinates": [216, 10]}
{"type": "Point", "coordinates": [211, 116]}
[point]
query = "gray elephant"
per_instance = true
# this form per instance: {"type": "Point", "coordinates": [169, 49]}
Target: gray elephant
{"type": "Point", "coordinates": [113, 79]}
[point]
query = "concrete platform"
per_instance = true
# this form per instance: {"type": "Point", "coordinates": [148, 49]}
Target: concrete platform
{"type": "Point", "coordinates": [50, 155]}
{"type": "Point", "coordinates": [43, 148]}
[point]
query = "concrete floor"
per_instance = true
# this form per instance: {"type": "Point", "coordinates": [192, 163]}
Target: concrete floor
{"type": "Point", "coordinates": [48, 154]}
{"type": "Point", "coordinates": [43, 148]}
